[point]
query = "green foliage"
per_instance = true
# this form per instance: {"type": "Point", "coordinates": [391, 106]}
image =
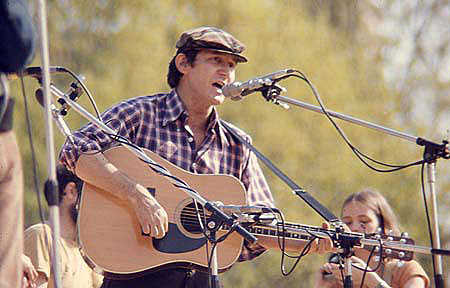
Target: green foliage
{"type": "Point", "coordinates": [123, 49]}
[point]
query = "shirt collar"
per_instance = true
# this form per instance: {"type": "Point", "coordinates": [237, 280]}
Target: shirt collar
{"type": "Point", "coordinates": [222, 132]}
{"type": "Point", "coordinates": [172, 108]}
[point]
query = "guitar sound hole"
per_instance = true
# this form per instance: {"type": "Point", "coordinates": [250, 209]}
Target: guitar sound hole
{"type": "Point", "coordinates": [189, 219]}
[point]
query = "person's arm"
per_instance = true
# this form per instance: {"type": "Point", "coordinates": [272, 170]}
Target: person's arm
{"type": "Point", "coordinates": [330, 273]}
{"type": "Point", "coordinates": [85, 159]}
{"type": "Point", "coordinates": [415, 282]}
{"type": "Point", "coordinates": [11, 205]}
{"type": "Point", "coordinates": [29, 273]}
{"type": "Point", "coordinates": [98, 171]}
{"type": "Point", "coordinates": [37, 246]}
{"type": "Point", "coordinates": [411, 275]}
{"type": "Point", "coordinates": [324, 278]}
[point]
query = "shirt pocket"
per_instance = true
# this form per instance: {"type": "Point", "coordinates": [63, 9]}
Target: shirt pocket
{"type": "Point", "coordinates": [167, 150]}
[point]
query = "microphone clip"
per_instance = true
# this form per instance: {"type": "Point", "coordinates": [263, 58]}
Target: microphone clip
{"type": "Point", "coordinates": [272, 92]}
{"type": "Point", "coordinates": [74, 93]}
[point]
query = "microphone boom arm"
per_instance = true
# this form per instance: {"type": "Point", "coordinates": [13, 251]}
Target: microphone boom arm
{"type": "Point", "coordinates": [432, 152]}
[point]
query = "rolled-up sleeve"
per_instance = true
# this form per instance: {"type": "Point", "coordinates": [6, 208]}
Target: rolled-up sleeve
{"type": "Point", "coordinates": [123, 119]}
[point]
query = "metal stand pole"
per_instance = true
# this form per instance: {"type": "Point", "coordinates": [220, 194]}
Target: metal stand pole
{"type": "Point", "coordinates": [214, 273]}
{"type": "Point", "coordinates": [213, 208]}
{"type": "Point", "coordinates": [348, 281]}
{"type": "Point", "coordinates": [50, 185]}
{"type": "Point", "coordinates": [435, 151]}
{"type": "Point", "coordinates": [431, 169]}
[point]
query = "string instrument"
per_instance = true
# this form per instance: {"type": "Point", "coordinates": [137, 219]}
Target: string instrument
{"type": "Point", "coordinates": [110, 235]}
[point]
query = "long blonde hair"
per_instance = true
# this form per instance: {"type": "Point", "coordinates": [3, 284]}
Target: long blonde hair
{"type": "Point", "coordinates": [379, 205]}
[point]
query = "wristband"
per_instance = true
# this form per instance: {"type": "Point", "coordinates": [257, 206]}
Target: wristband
{"type": "Point", "coordinates": [6, 122]}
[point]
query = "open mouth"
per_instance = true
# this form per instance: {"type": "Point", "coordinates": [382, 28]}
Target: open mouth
{"type": "Point", "coordinates": [218, 85]}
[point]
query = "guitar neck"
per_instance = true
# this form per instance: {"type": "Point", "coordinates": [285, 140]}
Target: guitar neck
{"type": "Point", "coordinates": [297, 235]}
{"type": "Point", "coordinates": [291, 231]}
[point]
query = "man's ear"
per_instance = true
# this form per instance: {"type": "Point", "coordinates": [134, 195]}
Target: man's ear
{"type": "Point", "coordinates": [182, 63]}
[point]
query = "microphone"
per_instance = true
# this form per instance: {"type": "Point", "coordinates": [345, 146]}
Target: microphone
{"type": "Point", "coordinates": [74, 93]}
{"type": "Point", "coordinates": [237, 90]}
{"type": "Point", "coordinates": [17, 35]}
{"type": "Point", "coordinates": [229, 209]}
{"type": "Point", "coordinates": [34, 72]}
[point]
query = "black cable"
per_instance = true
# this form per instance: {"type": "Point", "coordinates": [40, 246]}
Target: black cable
{"type": "Point", "coordinates": [86, 90]}
{"type": "Point", "coordinates": [304, 252]}
{"type": "Point", "coordinates": [282, 245]}
{"type": "Point", "coordinates": [374, 269]}
{"type": "Point", "coordinates": [120, 139]}
{"type": "Point", "coordinates": [155, 166]}
{"type": "Point", "coordinates": [33, 153]}
{"type": "Point", "coordinates": [367, 265]}
{"type": "Point", "coordinates": [359, 154]}
{"type": "Point", "coordinates": [430, 233]}
{"type": "Point", "coordinates": [355, 150]}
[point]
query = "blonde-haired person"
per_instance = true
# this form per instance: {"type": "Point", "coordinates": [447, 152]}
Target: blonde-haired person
{"type": "Point", "coordinates": [365, 212]}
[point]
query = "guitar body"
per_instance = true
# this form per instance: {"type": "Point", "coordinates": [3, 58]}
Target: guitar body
{"type": "Point", "coordinates": [110, 235]}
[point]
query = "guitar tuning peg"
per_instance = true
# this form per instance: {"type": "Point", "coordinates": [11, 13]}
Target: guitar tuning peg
{"type": "Point", "coordinates": [390, 232]}
{"type": "Point", "coordinates": [403, 241]}
{"type": "Point", "coordinates": [401, 254]}
{"type": "Point", "coordinates": [379, 230]}
{"type": "Point", "coordinates": [377, 249]}
{"type": "Point", "coordinates": [405, 235]}
{"type": "Point", "coordinates": [400, 263]}
{"type": "Point", "coordinates": [390, 238]}
{"type": "Point", "coordinates": [388, 251]}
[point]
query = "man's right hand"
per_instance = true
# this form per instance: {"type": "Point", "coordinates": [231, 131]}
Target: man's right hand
{"type": "Point", "coordinates": [151, 215]}
{"type": "Point", "coordinates": [97, 170]}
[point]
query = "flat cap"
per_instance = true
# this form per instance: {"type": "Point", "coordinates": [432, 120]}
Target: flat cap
{"type": "Point", "coordinates": [213, 39]}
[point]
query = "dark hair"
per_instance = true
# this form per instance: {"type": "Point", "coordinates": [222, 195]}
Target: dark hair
{"type": "Point", "coordinates": [174, 76]}
{"type": "Point", "coordinates": [64, 177]}
{"type": "Point", "coordinates": [378, 204]}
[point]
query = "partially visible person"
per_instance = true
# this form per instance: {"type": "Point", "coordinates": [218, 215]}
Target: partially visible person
{"type": "Point", "coordinates": [16, 50]}
{"type": "Point", "coordinates": [184, 127]}
{"type": "Point", "coordinates": [29, 273]}
{"type": "Point", "coordinates": [38, 240]}
{"type": "Point", "coordinates": [365, 212]}
{"type": "Point", "coordinates": [11, 211]}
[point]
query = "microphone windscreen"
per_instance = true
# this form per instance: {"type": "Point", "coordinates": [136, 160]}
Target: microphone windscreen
{"type": "Point", "coordinates": [40, 96]}
{"type": "Point", "coordinates": [17, 36]}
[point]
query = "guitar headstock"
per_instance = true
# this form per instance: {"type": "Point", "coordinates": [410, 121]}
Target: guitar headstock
{"type": "Point", "coordinates": [391, 246]}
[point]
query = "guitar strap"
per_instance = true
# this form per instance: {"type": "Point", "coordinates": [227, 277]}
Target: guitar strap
{"type": "Point", "coordinates": [308, 198]}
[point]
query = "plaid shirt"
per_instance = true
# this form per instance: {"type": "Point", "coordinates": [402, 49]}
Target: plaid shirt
{"type": "Point", "coordinates": [159, 124]}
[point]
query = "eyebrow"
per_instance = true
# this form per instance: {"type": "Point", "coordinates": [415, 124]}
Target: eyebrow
{"type": "Point", "coordinates": [357, 216]}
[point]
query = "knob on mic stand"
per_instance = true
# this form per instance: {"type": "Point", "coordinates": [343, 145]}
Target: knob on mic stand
{"type": "Point", "coordinates": [58, 114]}
{"type": "Point", "coordinates": [74, 93]}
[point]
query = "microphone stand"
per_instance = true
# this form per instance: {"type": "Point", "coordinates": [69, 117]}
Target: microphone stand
{"type": "Point", "coordinates": [217, 217]}
{"type": "Point", "coordinates": [432, 152]}
{"type": "Point", "coordinates": [50, 187]}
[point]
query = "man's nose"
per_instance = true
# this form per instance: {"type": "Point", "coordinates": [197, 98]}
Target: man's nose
{"type": "Point", "coordinates": [356, 227]}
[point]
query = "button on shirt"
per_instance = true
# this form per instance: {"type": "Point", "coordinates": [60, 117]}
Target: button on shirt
{"type": "Point", "coordinates": [159, 124]}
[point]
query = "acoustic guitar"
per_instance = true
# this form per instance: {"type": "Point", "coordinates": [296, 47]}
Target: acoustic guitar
{"type": "Point", "coordinates": [111, 239]}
